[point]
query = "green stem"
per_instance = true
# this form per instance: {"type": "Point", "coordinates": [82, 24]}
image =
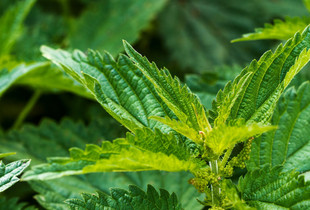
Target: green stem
{"type": "Point", "coordinates": [226, 157]}
{"type": "Point", "coordinates": [215, 188]}
{"type": "Point", "coordinates": [22, 116]}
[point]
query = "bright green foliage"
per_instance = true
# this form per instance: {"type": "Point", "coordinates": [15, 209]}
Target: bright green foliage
{"type": "Point", "coordinates": [2, 155]}
{"type": "Point", "coordinates": [119, 86]}
{"type": "Point", "coordinates": [40, 75]}
{"type": "Point", "coordinates": [9, 173]}
{"type": "Point", "coordinates": [134, 199]}
{"type": "Point", "coordinates": [11, 24]}
{"type": "Point", "coordinates": [307, 4]}
{"type": "Point", "coordinates": [225, 137]}
{"type": "Point", "coordinates": [270, 189]}
{"type": "Point", "coordinates": [280, 29]}
{"type": "Point", "coordinates": [111, 21]}
{"type": "Point", "coordinates": [289, 144]}
{"type": "Point", "coordinates": [186, 105]}
{"type": "Point", "coordinates": [268, 78]}
{"type": "Point", "coordinates": [147, 150]}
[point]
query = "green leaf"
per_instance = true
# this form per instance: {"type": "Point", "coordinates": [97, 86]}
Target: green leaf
{"type": "Point", "coordinates": [307, 4]}
{"type": "Point", "coordinates": [186, 105]}
{"type": "Point", "coordinates": [52, 193]}
{"type": "Point", "coordinates": [54, 139]}
{"type": "Point", "coordinates": [11, 204]}
{"type": "Point", "coordinates": [9, 173]}
{"type": "Point", "coordinates": [40, 75]}
{"type": "Point", "coordinates": [206, 84]}
{"type": "Point", "coordinates": [280, 29]}
{"type": "Point", "coordinates": [135, 198]}
{"type": "Point", "coordinates": [50, 138]}
{"type": "Point", "coordinates": [146, 150]}
{"type": "Point", "coordinates": [196, 40]}
{"type": "Point", "coordinates": [289, 144]}
{"type": "Point", "coordinates": [225, 137]}
{"type": "Point", "coordinates": [2, 155]}
{"type": "Point", "coordinates": [272, 189]}
{"type": "Point", "coordinates": [269, 77]}
{"type": "Point", "coordinates": [111, 21]}
{"type": "Point", "coordinates": [118, 86]}
{"type": "Point", "coordinates": [11, 24]}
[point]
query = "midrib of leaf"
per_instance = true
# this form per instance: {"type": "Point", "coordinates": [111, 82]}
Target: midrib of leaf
{"type": "Point", "coordinates": [137, 97]}
{"type": "Point", "coordinates": [118, 75]}
{"type": "Point", "coordinates": [288, 137]}
{"type": "Point", "coordinates": [265, 86]}
{"type": "Point", "coordinates": [272, 205]}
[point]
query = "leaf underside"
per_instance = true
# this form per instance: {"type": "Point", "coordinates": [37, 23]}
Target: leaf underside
{"type": "Point", "coordinates": [9, 173]}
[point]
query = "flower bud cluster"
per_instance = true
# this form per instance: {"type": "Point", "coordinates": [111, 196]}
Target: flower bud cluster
{"type": "Point", "coordinates": [203, 179]}
{"type": "Point", "coordinates": [239, 160]}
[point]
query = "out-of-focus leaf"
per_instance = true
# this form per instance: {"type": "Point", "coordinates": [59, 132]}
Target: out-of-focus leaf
{"type": "Point", "coordinates": [11, 204]}
{"type": "Point", "coordinates": [197, 33]}
{"type": "Point", "coordinates": [45, 24]}
{"type": "Point", "coordinates": [41, 75]}
{"type": "Point", "coordinates": [207, 84]}
{"type": "Point", "coordinates": [50, 138]}
{"type": "Point", "coordinates": [2, 155]}
{"type": "Point", "coordinates": [307, 4]}
{"type": "Point", "coordinates": [111, 21]}
{"type": "Point", "coordinates": [11, 24]}
{"type": "Point", "coordinates": [280, 29]}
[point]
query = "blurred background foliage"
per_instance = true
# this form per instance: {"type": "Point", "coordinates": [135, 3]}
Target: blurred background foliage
{"type": "Point", "coordinates": [192, 38]}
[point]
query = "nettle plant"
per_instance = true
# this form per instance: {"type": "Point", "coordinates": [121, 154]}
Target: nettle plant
{"type": "Point", "coordinates": [170, 130]}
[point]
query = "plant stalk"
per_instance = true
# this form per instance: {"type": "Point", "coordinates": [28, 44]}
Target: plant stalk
{"type": "Point", "coordinates": [215, 188]}
{"type": "Point", "coordinates": [22, 116]}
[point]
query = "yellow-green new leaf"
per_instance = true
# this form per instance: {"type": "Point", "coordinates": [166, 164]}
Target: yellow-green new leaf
{"type": "Point", "coordinates": [181, 127]}
{"type": "Point", "coordinates": [143, 151]}
{"type": "Point", "coordinates": [280, 29]}
{"type": "Point", "coordinates": [225, 137]}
